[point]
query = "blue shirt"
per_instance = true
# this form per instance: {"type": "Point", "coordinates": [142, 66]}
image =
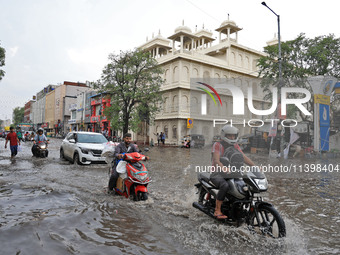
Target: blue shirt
{"type": "Point", "coordinates": [40, 138]}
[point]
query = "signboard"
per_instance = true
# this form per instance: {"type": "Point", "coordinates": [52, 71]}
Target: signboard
{"type": "Point", "coordinates": [322, 99]}
{"type": "Point", "coordinates": [324, 138]}
{"type": "Point", "coordinates": [322, 85]}
{"type": "Point", "coordinates": [324, 127]}
{"type": "Point", "coordinates": [322, 88]}
{"type": "Point", "coordinates": [190, 123]}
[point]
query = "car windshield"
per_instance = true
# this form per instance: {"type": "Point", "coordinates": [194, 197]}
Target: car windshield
{"type": "Point", "coordinates": [91, 138]}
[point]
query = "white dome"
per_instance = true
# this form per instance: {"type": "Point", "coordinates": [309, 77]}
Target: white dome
{"type": "Point", "coordinates": [183, 29]}
{"type": "Point", "coordinates": [228, 22]}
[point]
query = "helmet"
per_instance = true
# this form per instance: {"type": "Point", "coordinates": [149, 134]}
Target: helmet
{"type": "Point", "coordinates": [229, 130]}
{"type": "Point", "coordinates": [40, 129]}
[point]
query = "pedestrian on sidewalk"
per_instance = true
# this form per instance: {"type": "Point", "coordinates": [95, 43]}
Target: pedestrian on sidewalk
{"type": "Point", "coordinates": [163, 138]}
{"type": "Point", "coordinates": [13, 142]}
{"type": "Point", "coordinates": [158, 137]}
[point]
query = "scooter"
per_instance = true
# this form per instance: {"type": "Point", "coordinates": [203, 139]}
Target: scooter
{"type": "Point", "coordinates": [242, 205]}
{"type": "Point", "coordinates": [134, 182]}
{"type": "Point", "coordinates": [41, 150]}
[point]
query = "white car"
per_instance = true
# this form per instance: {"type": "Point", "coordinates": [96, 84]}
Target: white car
{"type": "Point", "coordinates": [83, 147]}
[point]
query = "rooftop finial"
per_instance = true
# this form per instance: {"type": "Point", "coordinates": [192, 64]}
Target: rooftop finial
{"type": "Point", "coordinates": [228, 16]}
{"type": "Point", "coordinates": [159, 32]}
{"type": "Point", "coordinates": [183, 22]}
{"type": "Point", "coordinates": [203, 26]}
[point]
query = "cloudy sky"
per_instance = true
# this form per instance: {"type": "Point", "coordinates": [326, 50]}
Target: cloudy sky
{"type": "Point", "coordinates": [51, 41]}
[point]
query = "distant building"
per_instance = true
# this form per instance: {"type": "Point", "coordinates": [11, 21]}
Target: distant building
{"type": "Point", "coordinates": [28, 111]}
{"type": "Point", "coordinates": [53, 106]}
{"type": "Point", "coordinates": [38, 107]}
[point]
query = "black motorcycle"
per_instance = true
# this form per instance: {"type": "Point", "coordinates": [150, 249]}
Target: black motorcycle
{"type": "Point", "coordinates": [242, 205]}
{"type": "Point", "coordinates": [41, 150]}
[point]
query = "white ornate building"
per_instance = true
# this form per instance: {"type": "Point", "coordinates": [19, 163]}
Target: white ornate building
{"type": "Point", "coordinates": [197, 54]}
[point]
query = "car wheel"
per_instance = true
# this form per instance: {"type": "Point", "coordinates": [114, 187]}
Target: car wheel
{"type": "Point", "coordinates": [62, 156]}
{"type": "Point", "coordinates": [76, 159]}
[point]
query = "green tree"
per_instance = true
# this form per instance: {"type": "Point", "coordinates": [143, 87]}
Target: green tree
{"type": "Point", "coordinates": [18, 115]}
{"type": "Point", "coordinates": [301, 58]}
{"type": "Point", "coordinates": [2, 62]}
{"type": "Point", "coordinates": [132, 80]}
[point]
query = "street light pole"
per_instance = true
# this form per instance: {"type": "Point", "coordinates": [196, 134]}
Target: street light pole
{"type": "Point", "coordinates": [280, 66]}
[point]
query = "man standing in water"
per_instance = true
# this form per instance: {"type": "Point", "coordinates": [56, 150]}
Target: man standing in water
{"type": "Point", "coordinates": [13, 142]}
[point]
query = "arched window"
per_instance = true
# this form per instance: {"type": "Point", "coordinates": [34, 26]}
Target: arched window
{"type": "Point", "coordinates": [206, 74]}
{"type": "Point", "coordinates": [167, 76]}
{"type": "Point", "coordinates": [185, 104]}
{"type": "Point", "coordinates": [195, 73]}
{"type": "Point", "coordinates": [240, 60]}
{"type": "Point", "coordinates": [174, 131]}
{"type": "Point", "coordinates": [247, 63]}
{"type": "Point", "coordinates": [174, 106]}
{"type": "Point", "coordinates": [194, 107]}
{"type": "Point", "coordinates": [233, 58]}
{"type": "Point", "coordinates": [175, 74]}
{"type": "Point", "coordinates": [185, 73]}
{"type": "Point", "coordinates": [166, 105]}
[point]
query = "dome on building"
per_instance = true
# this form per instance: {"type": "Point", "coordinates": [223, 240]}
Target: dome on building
{"type": "Point", "coordinates": [183, 29]}
{"type": "Point", "coordinates": [228, 22]}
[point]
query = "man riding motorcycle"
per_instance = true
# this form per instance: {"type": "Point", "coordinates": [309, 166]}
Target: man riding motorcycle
{"type": "Point", "coordinates": [229, 137]}
{"type": "Point", "coordinates": [40, 137]}
{"type": "Point", "coordinates": [124, 147]}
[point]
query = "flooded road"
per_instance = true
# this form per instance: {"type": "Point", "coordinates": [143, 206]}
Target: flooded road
{"type": "Point", "coordinates": [49, 206]}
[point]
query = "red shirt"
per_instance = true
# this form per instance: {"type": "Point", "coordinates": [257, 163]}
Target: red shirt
{"type": "Point", "coordinates": [13, 139]}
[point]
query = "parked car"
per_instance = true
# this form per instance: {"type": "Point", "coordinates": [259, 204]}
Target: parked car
{"type": "Point", "coordinates": [83, 147]}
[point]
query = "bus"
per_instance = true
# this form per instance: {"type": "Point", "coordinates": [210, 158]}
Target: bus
{"type": "Point", "coordinates": [25, 127]}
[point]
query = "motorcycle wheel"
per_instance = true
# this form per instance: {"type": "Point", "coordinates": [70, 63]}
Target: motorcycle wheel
{"type": "Point", "coordinates": [270, 222]}
{"type": "Point", "coordinates": [141, 196]}
{"type": "Point", "coordinates": [201, 195]}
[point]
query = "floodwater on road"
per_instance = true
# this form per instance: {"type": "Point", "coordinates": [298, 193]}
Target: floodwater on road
{"type": "Point", "coordinates": [49, 206]}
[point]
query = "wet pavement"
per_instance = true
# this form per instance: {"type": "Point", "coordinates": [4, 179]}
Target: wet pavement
{"type": "Point", "coordinates": [49, 206]}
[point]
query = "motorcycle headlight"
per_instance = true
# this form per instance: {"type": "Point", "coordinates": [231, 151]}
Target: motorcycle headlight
{"type": "Point", "coordinates": [141, 178]}
{"type": "Point", "coordinates": [43, 146]}
{"type": "Point", "coordinates": [262, 183]}
{"type": "Point", "coordinates": [84, 150]}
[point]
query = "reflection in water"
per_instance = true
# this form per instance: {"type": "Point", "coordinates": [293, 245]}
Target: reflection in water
{"type": "Point", "coordinates": [64, 208]}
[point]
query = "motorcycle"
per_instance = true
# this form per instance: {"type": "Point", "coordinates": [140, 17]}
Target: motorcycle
{"type": "Point", "coordinates": [242, 205]}
{"type": "Point", "coordinates": [41, 150]}
{"type": "Point", "coordinates": [133, 183]}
